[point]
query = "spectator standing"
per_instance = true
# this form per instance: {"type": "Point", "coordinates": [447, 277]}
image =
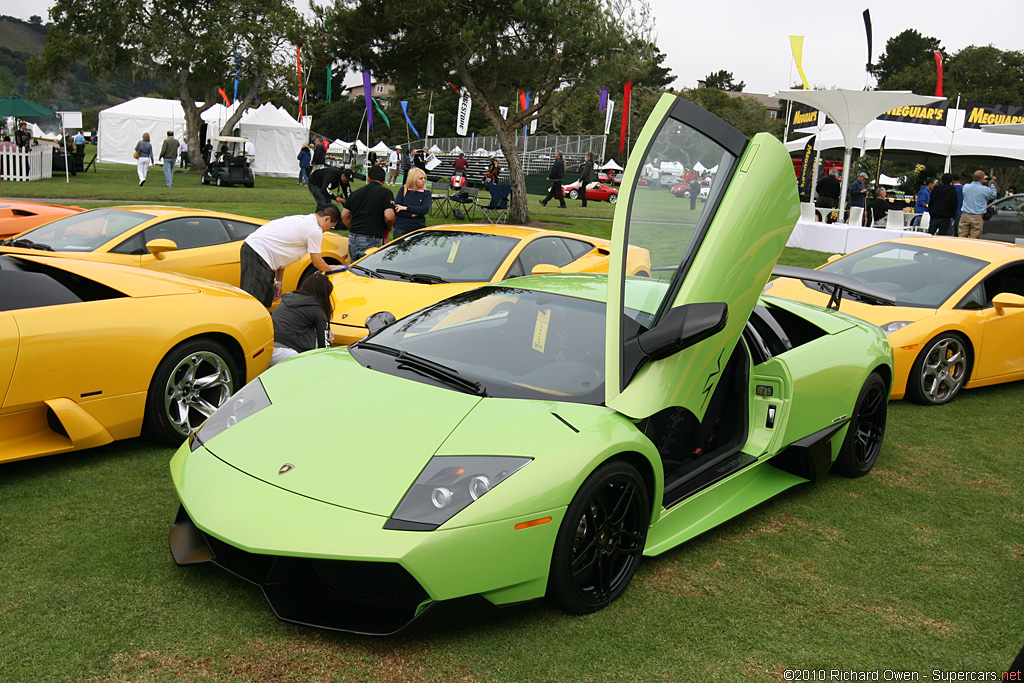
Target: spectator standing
{"type": "Point", "coordinates": [694, 192]}
{"type": "Point", "coordinates": [412, 204]}
{"type": "Point", "coordinates": [460, 163]}
{"type": "Point", "coordinates": [829, 189]}
{"type": "Point", "coordinates": [406, 166]}
{"type": "Point", "coordinates": [207, 152]}
{"type": "Point", "coordinates": [977, 195]}
{"type": "Point", "coordinates": [322, 181]}
{"type": "Point", "coordinates": [183, 152]}
{"type": "Point", "coordinates": [371, 159]}
{"type": "Point", "coordinates": [143, 157]}
{"type": "Point", "coordinates": [419, 159]}
{"type": "Point", "coordinates": [250, 152]}
{"type": "Point", "coordinates": [859, 191]}
{"type": "Point", "coordinates": [305, 164]}
{"type": "Point", "coordinates": [169, 154]}
{"type": "Point", "coordinates": [80, 140]}
{"type": "Point", "coordinates": [394, 159]}
{"type": "Point", "coordinates": [586, 177]}
{"type": "Point", "coordinates": [23, 137]}
{"type": "Point", "coordinates": [302, 321]}
{"type": "Point", "coordinates": [353, 150]}
{"type": "Point", "coordinates": [493, 172]}
{"type": "Point", "coordinates": [272, 247]}
{"type": "Point", "coordinates": [924, 198]}
{"type": "Point", "coordinates": [556, 174]}
{"type": "Point", "coordinates": [879, 208]}
{"type": "Point", "coordinates": [958, 185]}
{"type": "Point", "coordinates": [942, 207]}
{"type": "Point", "coordinates": [319, 157]}
{"type": "Point", "coordinates": [368, 214]}
{"type": "Point", "coordinates": [7, 145]}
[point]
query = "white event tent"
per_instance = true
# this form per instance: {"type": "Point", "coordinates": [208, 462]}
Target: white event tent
{"type": "Point", "coordinates": [277, 138]}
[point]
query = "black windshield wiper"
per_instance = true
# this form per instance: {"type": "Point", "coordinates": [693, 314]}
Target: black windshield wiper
{"type": "Point", "coordinates": [422, 278]}
{"type": "Point", "coordinates": [371, 273]}
{"type": "Point", "coordinates": [28, 244]}
{"type": "Point", "coordinates": [428, 368]}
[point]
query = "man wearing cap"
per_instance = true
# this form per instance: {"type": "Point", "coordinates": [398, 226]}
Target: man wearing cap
{"type": "Point", "coordinates": [859, 191]}
{"type": "Point", "coordinates": [393, 160]}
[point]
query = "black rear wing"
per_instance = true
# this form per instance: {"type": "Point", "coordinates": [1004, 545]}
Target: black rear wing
{"type": "Point", "coordinates": [839, 284]}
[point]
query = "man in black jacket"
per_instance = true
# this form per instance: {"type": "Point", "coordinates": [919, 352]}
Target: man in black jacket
{"type": "Point", "coordinates": [942, 207]}
{"type": "Point", "coordinates": [556, 175]}
{"type": "Point", "coordinates": [586, 177]}
{"type": "Point", "coordinates": [324, 180]}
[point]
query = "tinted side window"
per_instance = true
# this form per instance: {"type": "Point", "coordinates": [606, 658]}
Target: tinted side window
{"type": "Point", "coordinates": [549, 250]}
{"type": "Point", "coordinates": [577, 248]}
{"type": "Point", "coordinates": [132, 245]}
{"type": "Point", "coordinates": [239, 230]}
{"type": "Point", "coordinates": [189, 233]}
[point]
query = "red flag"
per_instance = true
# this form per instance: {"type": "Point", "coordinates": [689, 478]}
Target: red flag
{"type": "Point", "coordinates": [625, 114]}
{"type": "Point", "coordinates": [298, 66]}
{"type": "Point", "coordinates": [223, 94]}
{"type": "Point", "coordinates": [457, 91]}
{"type": "Point", "coordinates": [938, 65]}
{"type": "Point", "coordinates": [522, 100]}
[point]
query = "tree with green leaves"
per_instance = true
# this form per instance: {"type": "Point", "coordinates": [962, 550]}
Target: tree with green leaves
{"type": "Point", "coordinates": [723, 80]}
{"type": "Point", "coordinates": [905, 54]}
{"type": "Point", "coordinates": [551, 48]}
{"type": "Point", "coordinates": [197, 47]}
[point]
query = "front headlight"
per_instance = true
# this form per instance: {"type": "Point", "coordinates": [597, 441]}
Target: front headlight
{"type": "Point", "coordinates": [245, 403]}
{"type": "Point", "coordinates": [447, 485]}
{"type": "Point", "coordinates": [889, 328]}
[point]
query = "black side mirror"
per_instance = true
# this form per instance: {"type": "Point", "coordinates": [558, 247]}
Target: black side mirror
{"type": "Point", "coordinates": [379, 321]}
{"type": "Point", "coordinates": [680, 329]}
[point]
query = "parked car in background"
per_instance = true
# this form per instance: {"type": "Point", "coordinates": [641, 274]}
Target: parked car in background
{"type": "Point", "coordinates": [684, 188]}
{"type": "Point", "coordinates": [17, 217]}
{"type": "Point", "coordinates": [1007, 218]}
{"type": "Point", "coordinates": [596, 192]}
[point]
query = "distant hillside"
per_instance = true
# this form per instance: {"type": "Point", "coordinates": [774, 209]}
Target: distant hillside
{"type": "Point", "coordinates": [21, 40]}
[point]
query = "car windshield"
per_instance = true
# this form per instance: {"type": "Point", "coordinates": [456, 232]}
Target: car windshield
{"type": "Point", "coordinates": [917, 275]}
{"type": "Point", "coordinates": [441, 256]}
{"type": "Point", "coordinates": [84, 231]}
{"type": "Point", "coordinates": [504, 341]}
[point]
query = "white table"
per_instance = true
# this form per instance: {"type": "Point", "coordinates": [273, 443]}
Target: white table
{"type": "Point", "coordinates": [837, 238]}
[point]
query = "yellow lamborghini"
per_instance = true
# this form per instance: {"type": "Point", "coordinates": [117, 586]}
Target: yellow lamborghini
{"type": "Point", "coordinates": [958, 315]}
{"type": "Point", "coordinates": [93, 352]}
{"type": "Point", "coordinates": [170, 239]}
{"type": "Point", "coordinates": [435, 263]}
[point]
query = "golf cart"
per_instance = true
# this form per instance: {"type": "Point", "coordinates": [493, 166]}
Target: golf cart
{"type": "Point", "coordinates": [228, 164]}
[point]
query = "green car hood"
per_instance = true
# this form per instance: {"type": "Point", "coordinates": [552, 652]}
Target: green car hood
{"type": "Point", "coordinates": [336, 423]}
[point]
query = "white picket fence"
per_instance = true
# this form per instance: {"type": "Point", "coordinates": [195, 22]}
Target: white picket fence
{"type": "Point", "coordinates": [35, 164]}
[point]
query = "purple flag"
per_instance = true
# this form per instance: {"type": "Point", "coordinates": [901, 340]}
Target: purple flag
{"type": "Point", "coordinates": [604, 99]}
{"type": "Point", "coordinates": [368, 96]}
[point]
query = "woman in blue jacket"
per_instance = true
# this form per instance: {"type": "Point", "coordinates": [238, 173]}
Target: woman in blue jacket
{"type": "Point", "coordinates": [305, 163]}
{"type": "Point", "coordinates": [412, 203]}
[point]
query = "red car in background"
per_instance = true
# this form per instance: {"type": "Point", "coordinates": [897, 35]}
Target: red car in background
{"type": "Point", "coordinates": [610, 177]}
{"type": "Point", "coordinates": [683, 189]}
{"type": "Point", "coordinates": [596, 192]}
{"type": "Point", "coordinates": [17, 217]}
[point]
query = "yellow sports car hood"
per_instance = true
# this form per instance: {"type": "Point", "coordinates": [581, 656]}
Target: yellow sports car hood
{"type": "Point", "coordinates": [348, 411]}
{"type": "Point", "coordinates": [134, 282]}
{"type": "Point", "coordinates": [356, 298]}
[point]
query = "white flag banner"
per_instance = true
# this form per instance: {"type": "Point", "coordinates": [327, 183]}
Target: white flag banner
{"type": "Point", "coordinates": [608, 116]}
{"type": "Point", "coordinates": [533, 124]}
{"type": "Point", "coordinates": [465, 104]}
{"type": "Point", "coordinates": [430, 125]}
{"type": "Point", "coordinates": [504, 112]}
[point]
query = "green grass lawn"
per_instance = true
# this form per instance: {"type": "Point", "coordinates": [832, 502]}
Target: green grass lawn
{"type": "Point", "coordinates": [918, 566]}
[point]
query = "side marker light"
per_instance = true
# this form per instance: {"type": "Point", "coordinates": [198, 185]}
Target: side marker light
{"type": "Point", "coordinates": [532, 522]}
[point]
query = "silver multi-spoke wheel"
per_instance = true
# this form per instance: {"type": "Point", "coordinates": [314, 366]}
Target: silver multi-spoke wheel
{"type": "Point", "coordinates": [940, 371]}
{"type": "Point", "coordinates": [192, 381]}
{"type": "Point", "coordinates": [198, 385]}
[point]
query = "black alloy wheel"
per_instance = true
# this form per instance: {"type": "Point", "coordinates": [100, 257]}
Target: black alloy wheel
{"type": "Point", "coordinates": [863, 440]}
{"type": "Point", "coordinates": [601, 539]}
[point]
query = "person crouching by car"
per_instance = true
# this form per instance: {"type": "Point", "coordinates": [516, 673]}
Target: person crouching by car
{"type": "Point", "coordinates": [302, 319]}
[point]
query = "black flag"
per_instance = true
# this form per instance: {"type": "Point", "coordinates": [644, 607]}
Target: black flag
{"type": "Point", "coordinates": [878, 168]}
{"type": "Point", "coordinates": [867, 27]}
{"type": "Point", "coordinates": [807, 169]}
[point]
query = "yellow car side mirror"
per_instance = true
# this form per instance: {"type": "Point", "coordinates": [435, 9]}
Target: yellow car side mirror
{"type": "Point", "coordinates": [545, 269]}
{"type": "Point", "coordinates": [834, 257]}
{"type": "Point", "coordinates": [158, 246]}
{"type": "Point", "coordinates": [1007, 300]}
{"type": "Point", "coordinates": [371, 250]}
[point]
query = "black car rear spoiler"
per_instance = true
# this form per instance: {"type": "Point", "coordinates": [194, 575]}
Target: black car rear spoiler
{"type": "Point", "coordinates": [839, 284]}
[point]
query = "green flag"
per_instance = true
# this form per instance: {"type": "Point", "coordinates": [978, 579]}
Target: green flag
{"type": "Point", "coordinates": [385, 116]}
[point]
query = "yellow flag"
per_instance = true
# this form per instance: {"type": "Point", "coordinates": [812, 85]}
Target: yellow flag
{"type": "Point", "coordinates": [797, 43]}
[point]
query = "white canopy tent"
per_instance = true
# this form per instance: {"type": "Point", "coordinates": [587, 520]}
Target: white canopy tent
{"type": "Point", "coordinates": [852, 111]}
{"type": "Point", "coordinates": [457, 150]}
{"type": "Point", "coordinates": [924, 143]}
{"type": "Point", "coordinates": [611, 165]}
{"type": "Point", "coordinates": [380, 148]}
{"type": "Point", "coordinates": [434, 149]}
{"type": "Point", "coordinates": [121, 126]}
{"type": "Point", "coordinates": [277, 138]}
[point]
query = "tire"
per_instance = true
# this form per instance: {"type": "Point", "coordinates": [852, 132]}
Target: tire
{"type": "Point", "coordinates": [613, 199]}
{"type": "Point", "coordinates": [310, 269]}
{"type": "Point", "coordinates": [940, 371]}
{"type": "Point", "coordinates": [686, 194]}
{"type": "Point", "coordinates": [205, 179]}
{"type": "Point", "coordinates": [600, 541]}
{"type": "Point", "coordinates": [573, 194]}
{"type": "Point", "coordinates": [220, 181]}
{"type": "Point", "coordinates": [195, 377]}
{"type": "Point", "coordinates": [867, 429]}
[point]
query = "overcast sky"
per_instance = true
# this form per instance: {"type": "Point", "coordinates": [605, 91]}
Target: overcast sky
{"type": "Point", "coordinates": [750, 38]}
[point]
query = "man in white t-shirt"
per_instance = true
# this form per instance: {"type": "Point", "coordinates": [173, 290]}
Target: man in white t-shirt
{"type": "Point", "coordinates": [394, 159]}
{"type": "Point", "coordinates": [272, 247]}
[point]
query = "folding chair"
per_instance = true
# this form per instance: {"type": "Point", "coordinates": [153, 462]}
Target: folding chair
{"type": "Point", "coordinates": [894, 220]}
{"type": "Point", "coordinates": [497, 210]}
{"type": "Point", "coordinates": [464, 202]}
{"type": "Point", "coordinates": [439, 204]}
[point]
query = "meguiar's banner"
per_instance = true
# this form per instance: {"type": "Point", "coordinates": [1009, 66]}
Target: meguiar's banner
{"type": "Point", "coordinates": [978, 114]}
{"type": "Point", "coordinates": [931, 115]}
{"type": "Point", "coordinates": [803, 116]}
